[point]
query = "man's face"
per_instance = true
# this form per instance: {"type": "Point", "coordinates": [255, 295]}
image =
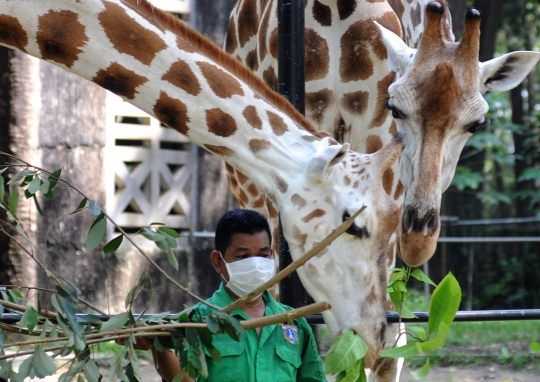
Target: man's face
{"type": "Point", "coordinates": [242, 246]}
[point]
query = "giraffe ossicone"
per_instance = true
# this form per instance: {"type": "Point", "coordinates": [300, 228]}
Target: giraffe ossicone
{"type": "Point", "coordinates": [160, 65]}
{"type": "Point", "coordinates": [438, 103]}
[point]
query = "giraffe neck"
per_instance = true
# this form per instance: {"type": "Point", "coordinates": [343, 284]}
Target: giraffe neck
{"type": "Point", "coordinates": [187, 82]}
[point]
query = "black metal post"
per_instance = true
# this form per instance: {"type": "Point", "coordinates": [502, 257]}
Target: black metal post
{"type": "Point", "coordinates": [291, 78]}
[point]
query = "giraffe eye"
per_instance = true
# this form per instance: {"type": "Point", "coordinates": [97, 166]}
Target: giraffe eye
{"type": "Point", "coordinates": [473, 127]}
{"type": "Point", "coordinates": [396, 113]}
{"type": "Point", "coordinates": [354, 229]}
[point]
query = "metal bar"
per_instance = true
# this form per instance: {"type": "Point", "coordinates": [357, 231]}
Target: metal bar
{"type": "Point", "coordinates": [491, 221]}
{"type": "Point", "coordinates": [291, 84]}
{"type": "Point", "coordinates": [392, 317]}
{"type": "Point", "coordinates": [489, 239]}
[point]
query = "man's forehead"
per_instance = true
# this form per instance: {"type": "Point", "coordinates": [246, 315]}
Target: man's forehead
{"type": "Point", "coordinates": [243, 240]}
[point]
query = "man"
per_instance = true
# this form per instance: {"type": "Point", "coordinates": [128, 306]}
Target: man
{"type": "Point", "coordinates": [243, 258]}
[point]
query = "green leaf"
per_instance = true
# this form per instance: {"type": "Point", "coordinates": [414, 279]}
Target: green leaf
{"type": "Point", "coordinates": [13, 200]}
{"type": "Point", "coordinates": [72, 318]}
{"type": "Point", "coordinates": [444, 303]}
{"type": "Point", "coordinates": [66, 293]}
{"type": "Point", "coordinates": [172, 259]}
{"type": "Point", "coordinates": [54, 178]}
{"type": "Point", "coordinates": [115, 322]}
{"type": "Point", "coordinates": [30, 319]}
{"type": "Point", "coordinates": [417, 331]}
{"type": "Point", "coordinates": [535, 346]}
{"type": "Point", "coordinates": [344, 352]}
{"type": "Point", "coordinates": [169, 231]}
{"type": "Point", "coordinates": [34, 185]}
{"type": "Point", "coordinates": [421, 276]}
{"type": "Point", "coordinates": [420, 373]}
{"type": "Point", "coordinates": [402, 351]}
{"type": "Point", "coordinates": [403, 311]}
{"type": "Point", "coordinates": [171, 241]}
{"type": "Point", "coordinates": [91, 371]}
{"type": "Point", "coordinates": [437, 342]}
{"type": "Point", "coordinates": [43, 363]}
{"type": "Point", "coordinates": [2, 339]}
{"type": "Point", "coordinates": [45, 186]}
{"type": "Point", "coordinates": [94, 208]}
{"type": "Point", "coordinates": [113, 245]}
{"type": "Point", "coordinates": [55, 304]}
{"type": "Point", "coordinates": [163, 245]}
{"type": "Point", "coordinates": [3, 170]}
{"type": "Point", "coordinates": [15, 377]}
{"type": "Point", "coordinates": [213, 325]}
{"type": "Point", "coordinates": [23, 174]}
{"type": "Point", "coordinates": [96, 233]}
{"type": "Point", "coordinates": [81, 205]}
{"type": "Point", "coordinates": [353, 373]}
{"type": "Point", "coordinates": [153, 237]}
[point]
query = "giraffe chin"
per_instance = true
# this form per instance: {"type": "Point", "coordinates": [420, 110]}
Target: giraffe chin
{"type": "Point", "coordinates": [415, 248]}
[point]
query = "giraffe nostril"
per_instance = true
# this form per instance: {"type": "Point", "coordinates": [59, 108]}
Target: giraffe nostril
{"type": "Point", "coordinates": [382, 334]}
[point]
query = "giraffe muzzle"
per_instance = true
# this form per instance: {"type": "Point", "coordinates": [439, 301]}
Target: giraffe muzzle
{"type": "Point", "coordinates": [418, 235]}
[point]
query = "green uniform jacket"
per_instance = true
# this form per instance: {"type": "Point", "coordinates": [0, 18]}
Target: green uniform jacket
{"type": "Point", "coordinates": [282, 353]}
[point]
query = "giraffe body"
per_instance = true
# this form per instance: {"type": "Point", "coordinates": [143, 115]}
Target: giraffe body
{"type": "Point", "coordinates": [158, 64]}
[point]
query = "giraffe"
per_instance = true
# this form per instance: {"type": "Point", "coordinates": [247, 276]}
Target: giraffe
{"type": "Point", "coordinates": [348, 74]}
{"type": "Point", "coordinates": [160, 65]}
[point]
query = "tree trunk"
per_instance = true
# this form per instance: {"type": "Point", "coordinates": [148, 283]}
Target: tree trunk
{"type": "Point", "coordinates": [491, 12]}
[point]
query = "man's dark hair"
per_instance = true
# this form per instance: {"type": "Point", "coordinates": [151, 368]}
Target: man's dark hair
{"type": "Point", "coordinates": [239, 221]}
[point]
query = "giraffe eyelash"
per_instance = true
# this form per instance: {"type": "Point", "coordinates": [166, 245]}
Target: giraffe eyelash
{"type": "Point", "coordinates": [396, 113]}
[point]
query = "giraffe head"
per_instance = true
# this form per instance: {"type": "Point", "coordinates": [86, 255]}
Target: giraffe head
{"type": "Point", "coordinates": [438, 103]}
{"type": "Point", "coordinates": [351, 273]}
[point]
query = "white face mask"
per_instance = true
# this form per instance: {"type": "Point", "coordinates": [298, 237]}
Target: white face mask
{"type": "Point", "coordinates": [247, 274]}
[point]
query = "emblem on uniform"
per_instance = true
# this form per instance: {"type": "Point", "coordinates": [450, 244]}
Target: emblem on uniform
{"type": "Point", "coordinates": [290, 334]}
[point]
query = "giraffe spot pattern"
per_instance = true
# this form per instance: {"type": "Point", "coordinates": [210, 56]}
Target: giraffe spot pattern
{"type": "Point", "coordinates": [128, 36]}
{"type": "Point", "coordinates": [298, 201]}
{"type": "Point", "coordinates": [12, 32]}
{"type": "Point", "coordinates": [253, 190]}
{"type": "Point", "coordinates": [252, 61]}
{"type": "Point", "coordinates": [241, 177]}
{"type": "Point", "coordinates": [220, 123]}
{"type": "Point", "coordinates": [317, 103]}
{"type": "Point", "coordinates": [119, 80]}
{"type": "Point", "coordinates": [181, 76]}
{"type": "Point", "coordinates": [309, 138]}
{"type": "Point", "coordinates": [390, 253]}
{"type": "Point", "coordinates": [272, 212]}
{"type": "Point", "coordinates": [393, 128]}
{"type": "Point", "coordinates": [388, 180]}
{"type": "Point", "coordinates": [60, 36]}
{"type": "Point", "coordinates": [172, 112]}
{"type": "Point", "coordinates": [399, 190]}
{"type": "Point", "coordinates": [219, 150]}
{"type": "Point", "coordinates": [263, 33]}
{"type": "Point", "coordinates": [312, 270]}
{"type": "Point", "coordinates": [274, 43]}
{"type": "Point", "coordinates": [381, 112]}
{"type": "Point", "coordinates": [355, 63]}
{"type": "Point", "coordinates": [232, 180]}
{"type": "Point", "coordinates": [321, 13]}
{"type": "Point", "coordinates": [256, 145]}
{"type": "Point", "coordinates": [276, 122]}
{"type": "Point", "coordinates": [242, 198]}
{"type": "Point", "coordinates": [356, 184]}
{"type": "Point", "coordinates": [317, 56]}
{"type": "Point", "coordinates": [184, 46]}
{"type": "Point", "coordinates": [222, 83]}
{"type": "Point", "coordinates": [299, 236]}
{"type": "Point", "coordinates": [270, 77]}
{"type": "Point", "coordinates": [347, 180]}
{"type": "Point", "coordinates": [251, 116]}
{"type": "Point", "coordinates": [346, 8]}
{"type": "Point", "coordinates": [230, 39]}
{"type": "Point", "coordinates": [280, 183]}
{"type": "Point", "coordinates": [314, 214]}
{"type": "Point", "coordinates": [355, 102]}
{"type": "Point", "coordinates": [259, 202]}
{"type": "Point", "coordinates": [373, 144]}
{"type": "Point", "coordinates": [249, 22]}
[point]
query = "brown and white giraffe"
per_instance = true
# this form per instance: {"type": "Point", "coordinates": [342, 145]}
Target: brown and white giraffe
{"type": "Point", "coordinates": [160, 65]}
{"type": "Point", "coordinates": [347, 77]}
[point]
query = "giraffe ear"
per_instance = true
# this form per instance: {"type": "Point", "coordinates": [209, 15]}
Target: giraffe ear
{"type": "Point", "coordinates": [320, 164]}
{"type": "Point", "coordinates": [506, 72]}
{"type": "Point", "coordinates": [400, 56]}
